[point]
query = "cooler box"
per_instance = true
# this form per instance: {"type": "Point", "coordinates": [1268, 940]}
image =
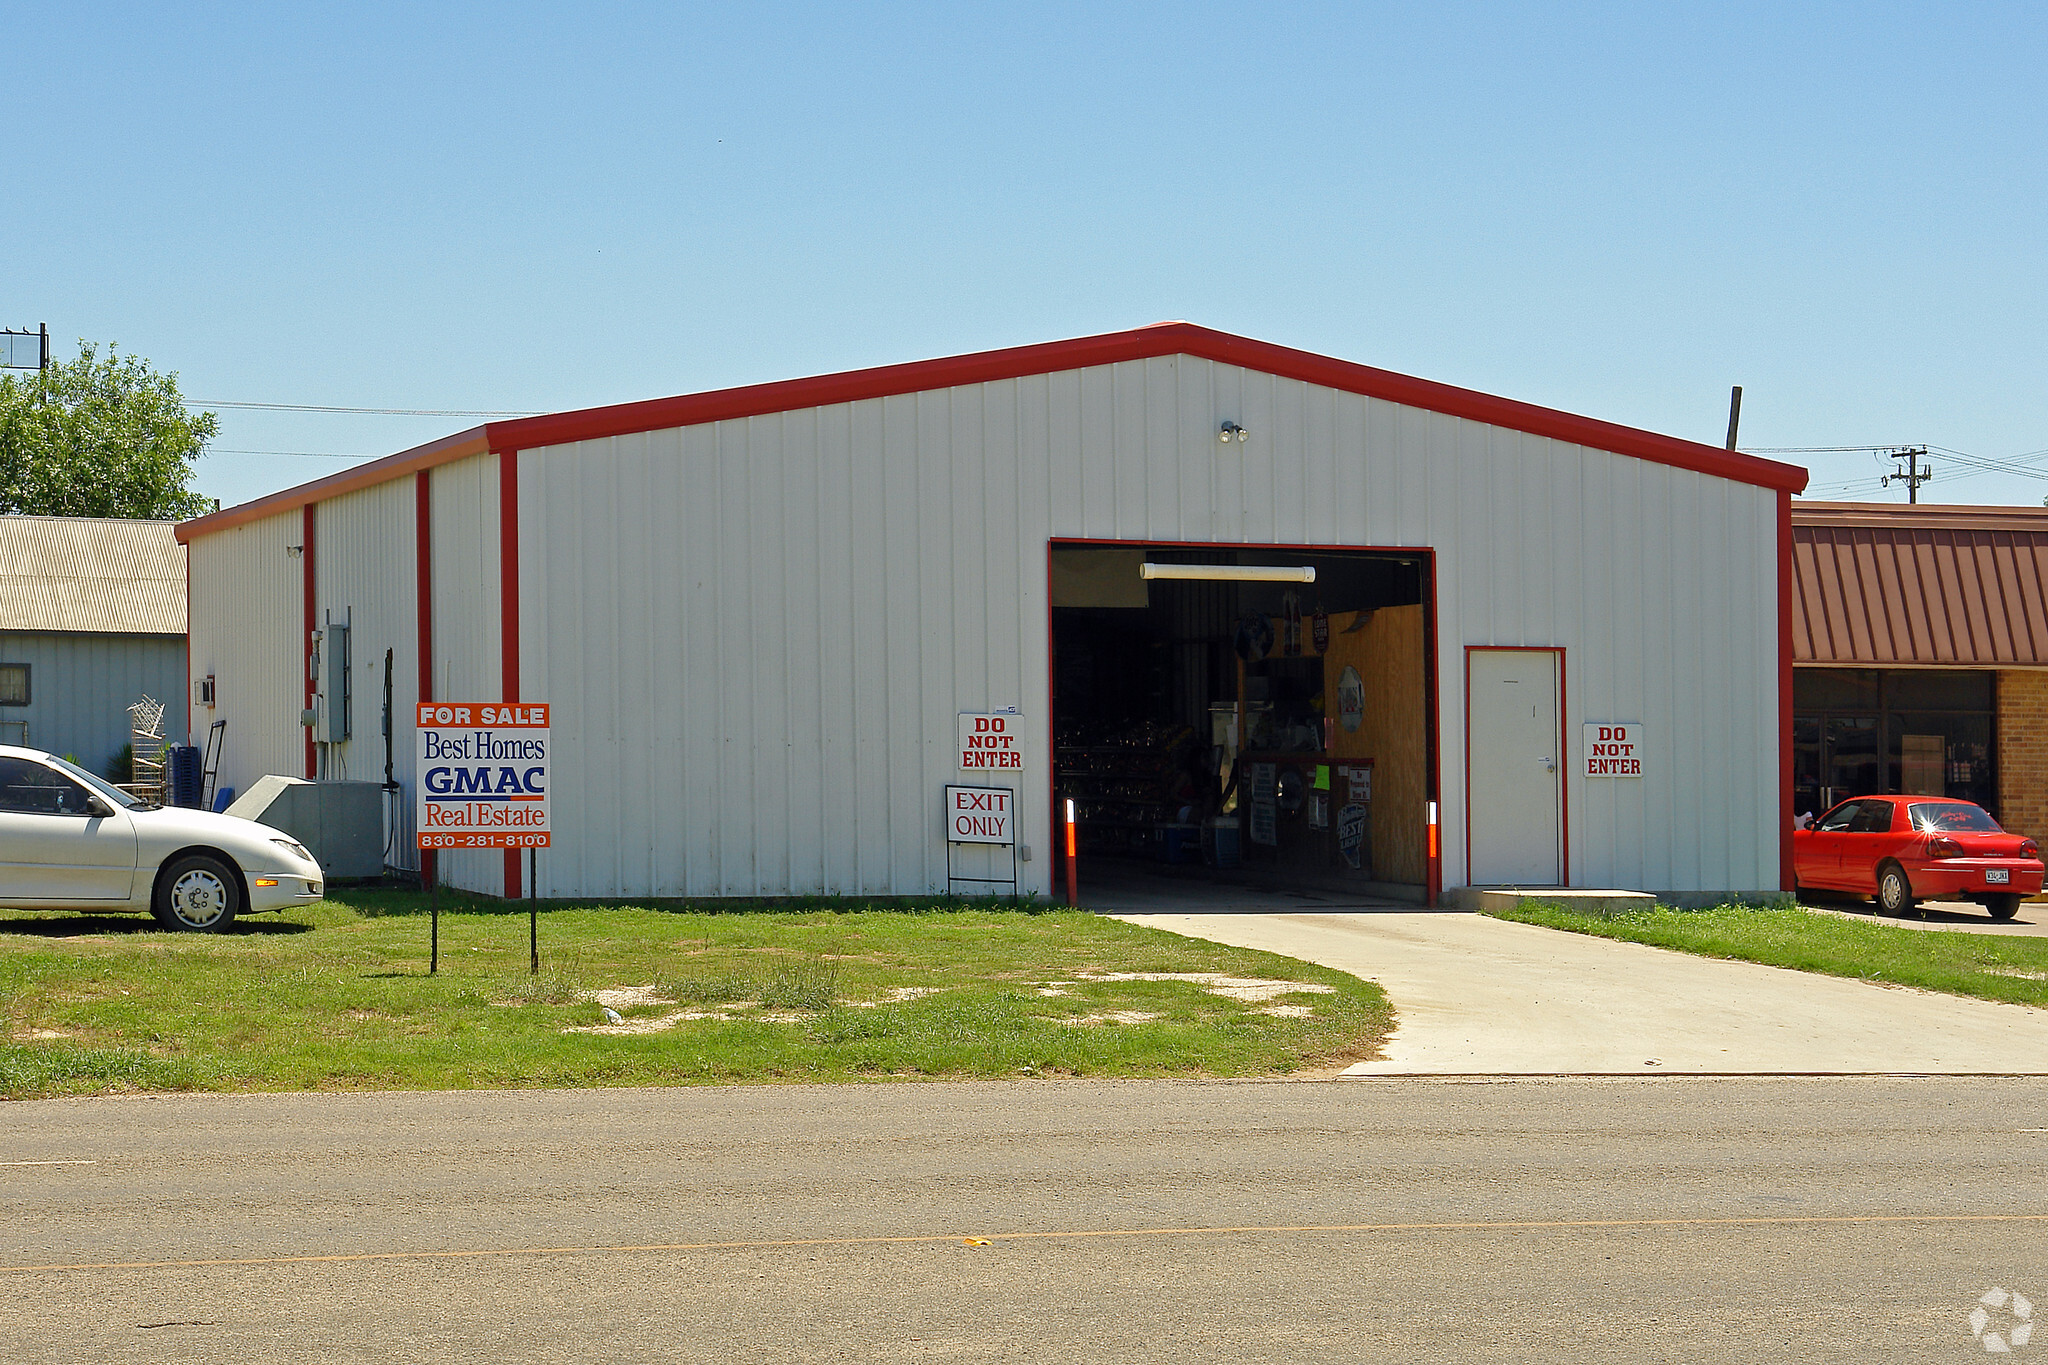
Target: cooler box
{"type": "Point", "coordinates": [1222, 838]}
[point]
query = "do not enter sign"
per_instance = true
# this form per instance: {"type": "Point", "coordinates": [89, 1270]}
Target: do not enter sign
{"type": "Point", "coordinates": [991, 739]}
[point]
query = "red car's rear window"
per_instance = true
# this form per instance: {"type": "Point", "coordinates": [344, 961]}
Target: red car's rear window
{"type": "Point", "coordinates": [1951, 819]}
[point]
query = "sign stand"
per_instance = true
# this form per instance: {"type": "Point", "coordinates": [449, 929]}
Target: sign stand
{"type": "Point", "coordinates": [981, 815]}
{"type": "Point", "coordinates": [483, 772]}
{"type": "Point", "coordinates": [1009, 881]}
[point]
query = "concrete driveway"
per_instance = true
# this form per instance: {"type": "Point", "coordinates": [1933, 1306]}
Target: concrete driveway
{"type": "Point", "coordinates": [1481, 996]}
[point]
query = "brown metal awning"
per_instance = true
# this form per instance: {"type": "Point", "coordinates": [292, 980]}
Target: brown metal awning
{"type": "Point", "coordinates": [1888, 586]}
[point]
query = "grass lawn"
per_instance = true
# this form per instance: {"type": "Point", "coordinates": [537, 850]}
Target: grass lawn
{"type": "Point", "coordinates": [337, 997]}
{"type": "Point", "coordinates": [1987, 966]}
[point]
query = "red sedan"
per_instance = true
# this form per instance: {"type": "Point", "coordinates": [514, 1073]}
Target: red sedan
{"type": "Point", "coordinates": [1902, 849]}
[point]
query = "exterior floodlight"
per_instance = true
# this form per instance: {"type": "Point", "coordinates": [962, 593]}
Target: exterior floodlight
{"type": "Point", "coordinates": [1231, 573]}
{"type": "Point", "coordinates": [1231, 431]}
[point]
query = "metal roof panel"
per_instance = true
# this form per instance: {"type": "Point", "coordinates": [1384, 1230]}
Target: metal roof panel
{"type": "Point", "coordinates": [1954, 587]}
{"type": "Point", "coordinates": [96, 575]}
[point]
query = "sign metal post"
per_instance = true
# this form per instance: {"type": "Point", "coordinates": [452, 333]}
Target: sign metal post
{"type": "Point", "coordinates": [482, 782]}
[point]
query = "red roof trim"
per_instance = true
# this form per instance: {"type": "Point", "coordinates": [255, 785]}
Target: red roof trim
{"type": "Point", "coordinates": [1143, 343]}
{"type": "Point", "coordinates": [446, 450]}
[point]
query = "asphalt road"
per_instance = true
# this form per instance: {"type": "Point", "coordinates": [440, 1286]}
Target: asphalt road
{"type": "Point", "coordinates": [1533, 1220]}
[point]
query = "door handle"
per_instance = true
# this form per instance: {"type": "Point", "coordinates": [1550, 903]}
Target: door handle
{"type": "Point", "coordinates": [1549, 764]}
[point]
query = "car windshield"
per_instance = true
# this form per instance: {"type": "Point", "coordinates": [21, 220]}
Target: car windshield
{"type": "Point", "coordinates": [98, 784]}
{"type": "Point", "coordinates": [1957, 818]}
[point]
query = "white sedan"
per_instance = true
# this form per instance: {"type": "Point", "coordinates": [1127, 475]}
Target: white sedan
{"type": "Point", "coordinates": [70, 841]}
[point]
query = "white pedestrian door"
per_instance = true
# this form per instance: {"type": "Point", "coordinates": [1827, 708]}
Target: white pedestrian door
{"type": "Point", "coordinates": [1515, 766]}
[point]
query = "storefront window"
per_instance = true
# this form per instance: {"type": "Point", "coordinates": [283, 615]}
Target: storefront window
{"type": "Point", "coordinates": [1941, 754]}
{"type": "Point", "coordinates": [1920, 732]}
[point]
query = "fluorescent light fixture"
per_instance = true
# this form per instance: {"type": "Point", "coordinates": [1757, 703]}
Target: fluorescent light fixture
{"type": "Point", "coordinates": [1231, 573]}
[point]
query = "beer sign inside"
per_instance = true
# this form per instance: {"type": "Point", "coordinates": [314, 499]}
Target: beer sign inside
{"type": "Point", "coordinates": [1614, 751]}
{"type": "Point", "coordinates": [991, 739]}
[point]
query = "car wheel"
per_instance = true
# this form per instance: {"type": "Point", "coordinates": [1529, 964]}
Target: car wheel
{"type": "Point", "coordinates": [2002, 907]}
{"type": "Point", "coordinates": [1894, 892]}
{"type": "Point", "coordinates": [197, 894]}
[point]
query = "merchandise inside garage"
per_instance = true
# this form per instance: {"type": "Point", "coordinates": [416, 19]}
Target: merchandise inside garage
{"type": "Point", "coordinates": [1257, 714]}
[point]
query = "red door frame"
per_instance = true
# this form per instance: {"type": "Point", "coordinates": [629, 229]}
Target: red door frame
{"type": "Point", "coordinates": [1424, 555]}
{"type": "Point", "coordinates": [306, 609]}
{"type": "Point", "coordinates": [1564, 799]}
{"type": "Point", "coordinates": [423, 609]}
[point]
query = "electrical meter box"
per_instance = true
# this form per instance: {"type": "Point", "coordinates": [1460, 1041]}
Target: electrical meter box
{"type": "Point", "coordinates": [331, 683]}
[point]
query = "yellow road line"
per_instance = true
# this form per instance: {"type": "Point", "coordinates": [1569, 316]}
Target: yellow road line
{"type": "Point", "coordinates": [1067, 1235]}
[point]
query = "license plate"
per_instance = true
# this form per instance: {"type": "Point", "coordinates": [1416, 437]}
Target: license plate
{"type": "Point", "coordinates": [1997, 876]}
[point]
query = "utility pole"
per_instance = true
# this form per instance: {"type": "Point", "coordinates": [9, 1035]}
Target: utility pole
{"type": "Point", "coordinates": [1734, 413]}
{"type": "Point", "coordinates": [1914, 474]}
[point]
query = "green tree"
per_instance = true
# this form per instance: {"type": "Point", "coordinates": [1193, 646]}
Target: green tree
{"type": "Point", "coordinates": [100, 436]}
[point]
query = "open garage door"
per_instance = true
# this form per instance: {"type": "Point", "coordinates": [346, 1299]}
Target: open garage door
{"type": "Point", "coordinates": [1256, 715]}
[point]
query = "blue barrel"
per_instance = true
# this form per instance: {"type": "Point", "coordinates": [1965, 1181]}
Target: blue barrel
{"type": "Point", "coordinates": [185, 772]}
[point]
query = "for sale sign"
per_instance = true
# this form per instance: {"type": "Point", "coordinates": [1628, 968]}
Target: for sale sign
{"type": "Point", "coordinates": [481, 774]}
{"type": "Point", "coordinates": [991, 739]}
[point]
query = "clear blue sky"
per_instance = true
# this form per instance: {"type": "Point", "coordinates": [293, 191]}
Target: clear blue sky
{"type": "Point", "coordinates": [1616, 209]}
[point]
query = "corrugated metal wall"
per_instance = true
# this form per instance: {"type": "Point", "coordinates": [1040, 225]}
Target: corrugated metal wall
{"type": "Point", "coordinates": [466, 618]}
{"type": "Point", "coordinates": [247, 600]}
{"type": "Point", "coordinates": [756, 634]}
{"type": "Point", "coordinates": [81, 686]}
{"type": "Point", "coordinates": [364, 572]}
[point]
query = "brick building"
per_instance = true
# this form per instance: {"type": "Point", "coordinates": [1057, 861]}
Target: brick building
{"type": "Point", "coordinates": [1920, 655]}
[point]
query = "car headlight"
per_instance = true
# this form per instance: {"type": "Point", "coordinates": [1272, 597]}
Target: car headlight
{"type": "Point", "coordinates": [293, 847]}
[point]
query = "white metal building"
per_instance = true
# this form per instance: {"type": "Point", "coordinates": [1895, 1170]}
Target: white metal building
{"type": "Point", "coordinates": [757, 613]}
{"type": "Point", "coordinates": [92, 619]}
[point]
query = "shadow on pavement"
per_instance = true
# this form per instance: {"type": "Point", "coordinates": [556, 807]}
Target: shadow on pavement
{"type": "Point", "coordinates": [2031, 921]}
{"type": "Point", "coordinates": [1127, 886]}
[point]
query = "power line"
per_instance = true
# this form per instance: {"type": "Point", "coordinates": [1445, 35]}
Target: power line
{"type": "Point", "coordinates": [374, 412]}
{"type": "Point", "coordinates": [302, 454]}
{"type": "Point", "coordinates": [1813, 450]}
{"type": "Point", "coordinates": [2021, 463]}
